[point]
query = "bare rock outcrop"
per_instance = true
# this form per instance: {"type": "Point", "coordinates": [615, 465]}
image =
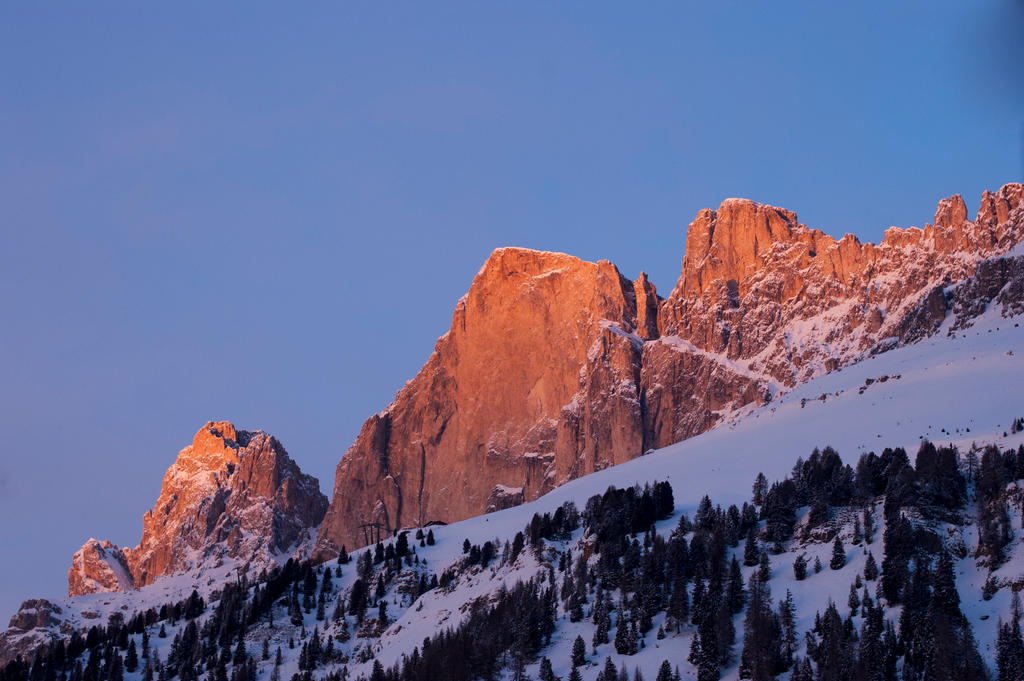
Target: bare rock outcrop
{"type": "Point", "coordinates": [230, 495]}
{"type": "Point", "coordinates": [791, 302]}
{"type": "Point", "coordinates": [32, 628]}
{"type": "Point", "coordinates": [35, 612]}
{"type": "Point", "coordinates": [555, 367]}
{"type": "Point", "coordinates": [99, 567]}
{"type": "Point", "coordinates": [487, 409]}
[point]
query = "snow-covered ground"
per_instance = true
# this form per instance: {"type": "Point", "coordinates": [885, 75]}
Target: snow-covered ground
{"type": "Point", "coordinates": [963, 389]}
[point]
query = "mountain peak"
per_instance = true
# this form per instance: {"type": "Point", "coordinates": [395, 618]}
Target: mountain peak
{"type": "Point", "coordinates": [231, 494]}
{"type": "Point", "coordinates": [730, 242]}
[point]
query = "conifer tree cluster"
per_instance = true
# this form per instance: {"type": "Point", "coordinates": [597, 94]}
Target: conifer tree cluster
{"type": "Point", "coordinates": [621, 577]}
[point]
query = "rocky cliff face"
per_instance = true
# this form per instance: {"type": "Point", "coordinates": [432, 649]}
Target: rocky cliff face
{"type": "Point", "coordinates": [33, 627]}
{"type": "Point", "coordinates": [231, 494]}
{"type": "Point", "coordinates": [477, 428]}
{"type": "Point", "coordinates": [790, 302]}
{"type": "Point", "coordinates": [555, 367]}
{"type": "Point", "coordinates": [99, 567]}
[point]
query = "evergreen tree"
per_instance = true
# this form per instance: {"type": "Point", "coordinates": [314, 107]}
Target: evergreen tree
{"type": "Point", "coordinates": [579, 652]}
{"type": "Point", "coordinates": [697, 607]}
{"type": "Point", "coordinates": [764, 570]}
{"type": "Point", "coordinates": [944, 588]}
{"type": "Point", "coordinates": [609, 673]}
{"type": "Point", "coordinates": [116, 672]}
{"type": "Point", "coordinates": [854, 600]}
{"type": "Point", "coordinates": [545, 673]}
{"type": "Point", "coordinates": [787, 618]}
{"type": "Point", "coordinates": [760, 489]}
{"type": "Point", "coordinates": [871, 652]}
{"type": "Point", "coordinates": [870, 568]}
{"type": "Point", "coordinates": [750, 552]}
{"type": "Point", "coordinates": [800, 568]}
{"type": "Point", "coordinates": [802, 671]}
{"type": "Point", "coordinates": [897, 542]}
{"type": "Point", "coordinates": [131, 658]}
{"type": "Point", "coordinates": [761, 655]}
{"type": "Point", "coordinates": [869, 524]}
{"type": "Point", "coordinates": [632, 639]}
{"type": "Point", "coordinates": [704, 647]}
{"type": "Point", "coordinates": [602, 619]}
{"type": "Point", "coordinates": [622, 637]}
{"type": "Point", "coordinates": [679, 603]}
{"type": "Point", "coordinates": [838, 554]}
{"type": "Point", "coordinates": [833, 651]}
{"type": "Point", "coordinates": [725, 635]}
{"type": "Point", "coordinates": [1010, 651]}
{"type": "Point", "coordinates": [664, 672]}
{"type": "Point", "coordinates": [735, 596]}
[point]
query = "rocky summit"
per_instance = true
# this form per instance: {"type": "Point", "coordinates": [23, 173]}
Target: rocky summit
{"type": "Point", "coordinates": [555, 367]}
{"type": "Point", "coordinates": [230, 495]}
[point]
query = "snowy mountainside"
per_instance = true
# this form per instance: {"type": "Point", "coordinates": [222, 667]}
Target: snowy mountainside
{"type": "Point", "coordinates": [958, 387]}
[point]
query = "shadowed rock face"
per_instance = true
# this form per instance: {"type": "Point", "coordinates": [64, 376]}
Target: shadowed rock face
{"type": "Point", "coordinates": [555, 367]}
{"type": "Point", "coordinates": [231, 494]}
{"type": "Point", "coordinates": [32, 628]}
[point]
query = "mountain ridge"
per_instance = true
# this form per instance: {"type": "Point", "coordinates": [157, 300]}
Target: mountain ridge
{"type": "Point", "coordinates": [762, 304]}
{"type": "Point", "coordinates": [555, 368]}
{"type": "Point", "coordinates": [231, 494]}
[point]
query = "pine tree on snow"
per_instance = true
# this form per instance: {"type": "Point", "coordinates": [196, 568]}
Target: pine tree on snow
{"type": "Point", "coordinates": [750, 552]}
{"type": "Point", "coordinates": [579, 652]}
{"type": "Point", "coordinates": [838, 554]}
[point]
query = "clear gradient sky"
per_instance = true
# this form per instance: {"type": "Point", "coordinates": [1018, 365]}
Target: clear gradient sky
{"type": "Point", "coordinates": [267, 213]}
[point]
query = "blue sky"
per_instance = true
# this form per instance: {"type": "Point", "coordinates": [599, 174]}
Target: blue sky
{"type": "Point", "coordinates": [267, 213]}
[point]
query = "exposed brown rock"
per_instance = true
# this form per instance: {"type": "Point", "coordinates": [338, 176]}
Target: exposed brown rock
{"type": "Point", "coordinates": [33, 628]}
{"type": "Point", "coordinates": [647, 304]}
{"type": "Point", "coordinates": [686, 391]}
{"type": "Point", "coordinates": [788, 302]}
{"type": "Point", "coordinates": [99, 567]}
{"type": "Point", "coordinates": [602, 425]}
{"type": "Point", "coordinates": [554, 367]}
{"type": "Point", "coordinates": [485, 409]}
{"type": "Point", "coordinates": [35, 612]}
{"type": "Point", "coordinates": [231, 494]}
{"type": "Point", "coordinates": [998, 281]}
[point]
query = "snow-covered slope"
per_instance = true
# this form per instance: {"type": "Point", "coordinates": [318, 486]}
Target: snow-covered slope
{"type": "Point", "coordinates": [961, 387]}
